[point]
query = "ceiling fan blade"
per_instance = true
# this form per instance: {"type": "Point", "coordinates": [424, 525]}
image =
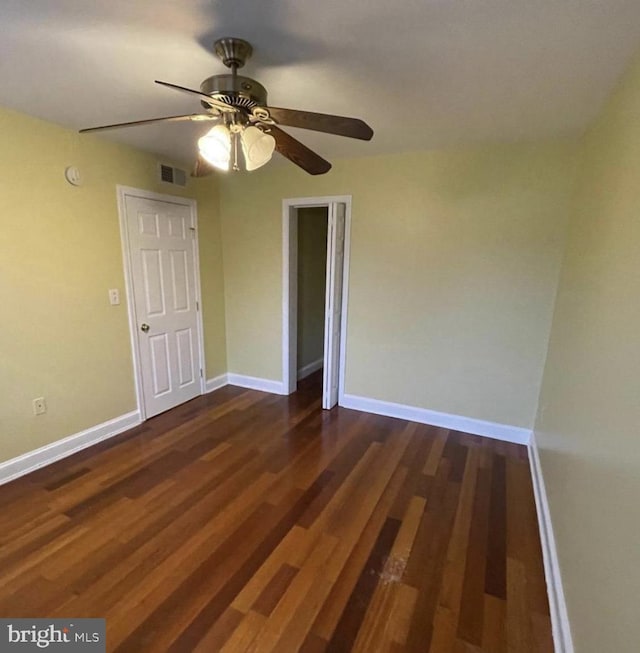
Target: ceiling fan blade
{"type": "Point", "coordinates": [300, 154]}
{"type": "Point", "coordinates": [196, 117]}
{"type": "Point", "coordinates": [216, 104]}
{"type": "Point", "coordinates": [322, 122]}
{"type": "Point", "coordinates": [202, 168]}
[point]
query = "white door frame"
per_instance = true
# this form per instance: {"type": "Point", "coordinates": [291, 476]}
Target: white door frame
{"type": "Point", "coordinates": [290, 286]}
{"type": "Point", "coordinates": [122, 193]}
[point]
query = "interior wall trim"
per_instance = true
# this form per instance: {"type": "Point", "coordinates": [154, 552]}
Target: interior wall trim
{"type": "Point", "coordinates": [309, 369]}
{"type": "Point", "coordinates": [560, 626]}
{"type": "Point", "coordinates": [216, 382]}
{"type": "Point", "coordinates": [504, 432]}
{"type": "Point", "coordinates": [50, 453]}
{"type": "Point", "coordinates": [256, 383]}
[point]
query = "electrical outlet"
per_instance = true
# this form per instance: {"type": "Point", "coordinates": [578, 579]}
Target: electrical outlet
{"type": "Point", "coordinates": [39, 406]}
{"type": "Point", "coordinates": [114, 296]}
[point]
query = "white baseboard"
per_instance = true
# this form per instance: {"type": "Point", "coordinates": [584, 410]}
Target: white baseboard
{"type": "Point", "coordinates": [255, 383]}
{"type": "Point", "coordinates": [216, 382]}
{"type": "Point", "coordinates": [504, 432]}
{"type": "Point", "coordinates": [309, 369]}
{"type": "Point", "coordinates": [559, 617]}
{"type": "Point", "coordinates": [50, 453]}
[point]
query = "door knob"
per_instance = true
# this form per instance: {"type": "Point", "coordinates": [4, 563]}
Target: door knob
{"type": "Point", "coordinates": [144, 327]}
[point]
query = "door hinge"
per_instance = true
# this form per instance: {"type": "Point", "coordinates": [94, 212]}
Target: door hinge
{"type": "Point", "coordinates": [197, 306]}
{"type": "Point", "coordinates": [200, 373]}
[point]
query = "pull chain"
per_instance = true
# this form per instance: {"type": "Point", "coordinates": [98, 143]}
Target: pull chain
{"type": "Point", "coordinates": [236, 167]}
{"type": "Point", "coordinates": [235, 133]}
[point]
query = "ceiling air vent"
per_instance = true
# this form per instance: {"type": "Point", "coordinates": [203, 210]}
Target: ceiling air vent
{"type": "Point", "coordinates": [172, 175]}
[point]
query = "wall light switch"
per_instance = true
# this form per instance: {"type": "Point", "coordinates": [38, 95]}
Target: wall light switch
{"type": "Point", "coordinates": [39, 406]}
{"type": "Point", "coordinates": [114, 296]}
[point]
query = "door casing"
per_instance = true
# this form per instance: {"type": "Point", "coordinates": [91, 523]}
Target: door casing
{"type": "Point", "coordinates": [122, 192]}
{"type": "Point", "coordinates": [290, 286]}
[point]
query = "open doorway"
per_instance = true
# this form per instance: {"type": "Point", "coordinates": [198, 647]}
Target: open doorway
{"type": "Point", "coordinates": [305, 318]}
{"type": "Point", "coordinates": [313, 226]}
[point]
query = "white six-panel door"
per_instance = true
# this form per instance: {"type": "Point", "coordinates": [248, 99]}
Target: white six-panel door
{"type": "Point", "coordinates": [161, 254]}
{"type": "Point", "coordinates": [333, 304]}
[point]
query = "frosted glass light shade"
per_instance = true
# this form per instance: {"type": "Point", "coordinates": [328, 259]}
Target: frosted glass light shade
{"type": "Point", "coordinates": [215, 147]}
{"type": "Point", "coordinates": [257, 147]}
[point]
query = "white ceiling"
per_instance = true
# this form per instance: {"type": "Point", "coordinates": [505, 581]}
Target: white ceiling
{"type": "Point", "coordinates": [422, 73]}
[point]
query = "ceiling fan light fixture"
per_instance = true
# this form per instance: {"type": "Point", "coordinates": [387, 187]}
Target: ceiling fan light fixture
{"type": "Point", "coordinates": [257, 147]}
{"type": "Point", "coordinates": [248, 122]}
{"type": "Point", "coordinates": [215, 147]}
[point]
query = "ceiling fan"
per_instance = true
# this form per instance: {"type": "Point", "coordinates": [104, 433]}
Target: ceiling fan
{"type": "Point", "coordinates": [247, 130]}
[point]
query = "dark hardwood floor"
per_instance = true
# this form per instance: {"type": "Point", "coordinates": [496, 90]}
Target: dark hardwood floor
{"type": "Point", "coordinates": [243, 521]}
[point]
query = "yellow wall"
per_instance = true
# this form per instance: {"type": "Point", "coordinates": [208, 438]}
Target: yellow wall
{"type": "Point", "coordinates": [589, 415]}
{"type": "Point", "coordinates": [454, 265]}
{"type": "Point", "coordinates": [206, 193]}
{"type": "Point", "coordinates": [312, 264]}
{"type": "Point", "coordinates": [59, 254]}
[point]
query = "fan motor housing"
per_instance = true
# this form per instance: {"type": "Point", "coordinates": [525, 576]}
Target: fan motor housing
{"type": "Point", "coordinates": [235, 90]}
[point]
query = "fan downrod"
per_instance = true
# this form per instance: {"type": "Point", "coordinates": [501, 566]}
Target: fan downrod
{"type": "Point", "coordinates": [233, 52]}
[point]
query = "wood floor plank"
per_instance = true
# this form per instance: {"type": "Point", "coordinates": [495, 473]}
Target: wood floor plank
{"type": "Point", "coordinates": [295, 542]}
{"type": "Point", "coordinates": [220, 632]}
{"type": "Point", "coordinates": [496, 570]}
{"type": "Point", "coordinates": [274, 591]}
{"type": "Point", "coordinates": [519, 632]}
{"type": "Point", "coordinates": [287, 611]}
{"type": "Point", "coordinates": [386, 622]}
{"type": "Point", "coordinates": [403, 545]}
{"type": "Point", "coordinates": [437, 447]}
{"type": "Point", "coordinates": [283, 518]}
{"type": "Point", "coordinates": [248, 522]}
{"type": "Point", "coordinates": [351, 619]}
{"type": "Point", "coordinates": [456, 558]}
{"type": "Point", "coordinates": [426, 563]}
{"type": "Point", "coordinates": [471, 621]}
{"type": "Point", "coordinates": [351, 557]}
{"type": "Point", "coordinates": [494, 629]}
{"type": "Point", "coordinates": [453, 577]}
{"type": "Point", "coordinates": [245, 634]}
